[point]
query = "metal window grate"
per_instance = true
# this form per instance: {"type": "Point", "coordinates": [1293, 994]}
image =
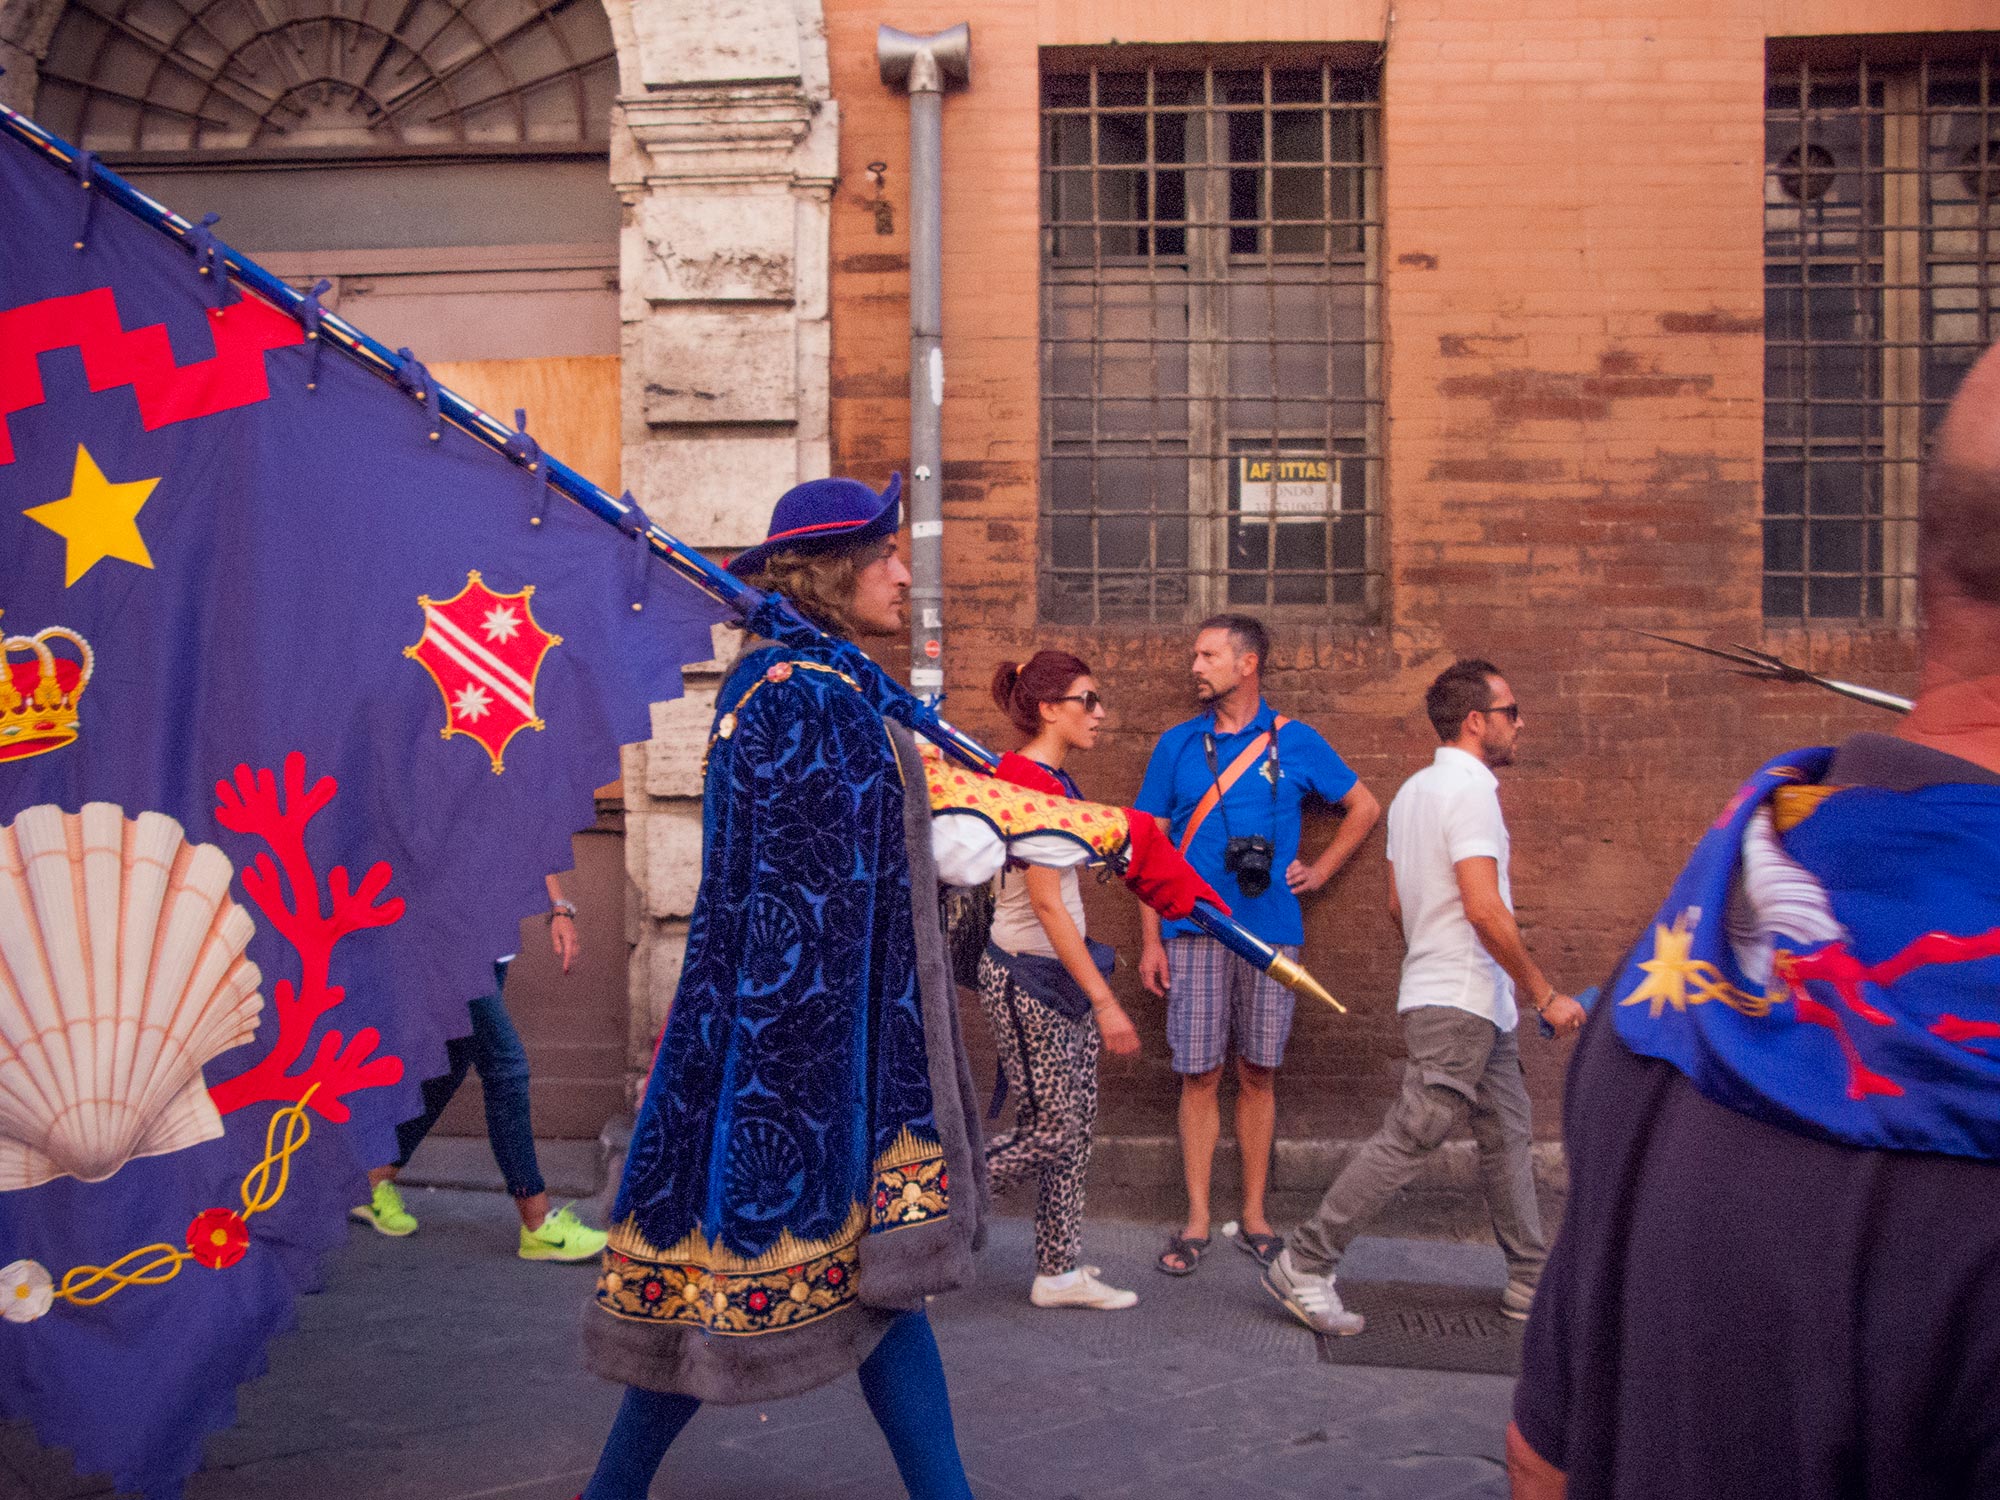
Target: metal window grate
{"type": "Point", "coordinates": [1881, 259]}
{"type": "Point", "coordinates": [1211, 424]}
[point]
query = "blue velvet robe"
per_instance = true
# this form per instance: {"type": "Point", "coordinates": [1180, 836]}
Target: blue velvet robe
{"type": "Point", "coordinates": [794, 1169]}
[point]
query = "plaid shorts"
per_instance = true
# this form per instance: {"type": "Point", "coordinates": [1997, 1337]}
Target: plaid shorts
{"type": "Point", "coordinates": [1213, 997]}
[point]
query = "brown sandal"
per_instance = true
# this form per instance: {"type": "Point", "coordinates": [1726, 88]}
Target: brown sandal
{"type": "Point", "coordinates": [1182, 1255]}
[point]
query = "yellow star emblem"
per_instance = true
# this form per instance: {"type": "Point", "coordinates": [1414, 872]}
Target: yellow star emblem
{"type": "Point", "coordinates": [98, 519]}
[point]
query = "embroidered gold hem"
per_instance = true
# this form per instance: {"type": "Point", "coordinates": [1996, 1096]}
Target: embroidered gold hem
{"type": "Point", "coordinates": [702, 1285]}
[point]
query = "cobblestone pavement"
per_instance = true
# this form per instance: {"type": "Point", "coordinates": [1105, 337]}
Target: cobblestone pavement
{"type": "Point", "coordinates": [440, 1367]}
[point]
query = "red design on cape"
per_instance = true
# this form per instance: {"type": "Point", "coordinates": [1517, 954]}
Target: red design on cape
{"type": "Point", "coordinates": [1957, 1029]}
{"type": "Point", "coordinates": [1835, 965]}
{"type": "Point", "coordinates": [313, 923]}
{"type": "Point", "coordinates": [142, 358]}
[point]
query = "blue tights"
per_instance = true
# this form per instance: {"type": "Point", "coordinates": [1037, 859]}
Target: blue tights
{"type": "Point", "coordinates": [903, 1381]}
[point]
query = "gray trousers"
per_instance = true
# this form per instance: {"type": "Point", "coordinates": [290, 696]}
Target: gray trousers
{"type": "Point", "coordinates": [1458, 1062]}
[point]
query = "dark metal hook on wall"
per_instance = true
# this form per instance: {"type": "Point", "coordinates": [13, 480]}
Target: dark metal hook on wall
{"type": "Point", "coordinates": [885, 211]}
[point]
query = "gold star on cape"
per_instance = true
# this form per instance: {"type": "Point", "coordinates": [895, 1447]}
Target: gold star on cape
{"type": "Point", "coordinates": [1674, 977]}
{"type": "Point", "coordinates": [1669, 969]}
{"type": "Point", "coordinates": [98, 519]}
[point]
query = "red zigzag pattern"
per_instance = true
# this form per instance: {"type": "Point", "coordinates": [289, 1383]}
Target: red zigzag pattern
{"type": "Point", "coordinates": [140, 357]}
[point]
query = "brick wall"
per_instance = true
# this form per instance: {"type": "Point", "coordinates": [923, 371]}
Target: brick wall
{"type": "Point", "coordinates": [1573, 295]}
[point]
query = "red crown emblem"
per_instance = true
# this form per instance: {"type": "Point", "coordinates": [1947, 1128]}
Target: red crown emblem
{"type": "Point", "coordinates": [484, 651]}
{"type": "Point", "coordinates": [38, 695]}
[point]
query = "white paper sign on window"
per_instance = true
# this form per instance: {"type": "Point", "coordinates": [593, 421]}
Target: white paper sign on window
{"type": "Point", "coordinates": [1294, 489]}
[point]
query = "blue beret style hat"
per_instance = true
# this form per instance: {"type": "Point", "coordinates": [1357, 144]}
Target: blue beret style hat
{"type": "Point", "coordinates": [824, 514]}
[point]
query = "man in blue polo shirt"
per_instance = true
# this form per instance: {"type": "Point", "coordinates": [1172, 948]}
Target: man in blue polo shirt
{"type": "Point", "coordinates": [1228, 787]}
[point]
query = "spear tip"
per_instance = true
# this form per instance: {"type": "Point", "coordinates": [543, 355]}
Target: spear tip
{"type": "Point", "coordinates": [1294, 977]}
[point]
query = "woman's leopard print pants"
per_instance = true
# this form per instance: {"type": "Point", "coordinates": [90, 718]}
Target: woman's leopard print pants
{"type": "Point", "coordinates": [1051, 1067]}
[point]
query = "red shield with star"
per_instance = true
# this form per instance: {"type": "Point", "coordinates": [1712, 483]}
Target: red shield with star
{"type": "Point", "coordinates": [483, 650]}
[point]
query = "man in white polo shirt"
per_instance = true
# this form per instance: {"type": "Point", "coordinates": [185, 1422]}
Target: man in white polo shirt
{"type": "Point", "coordinates": [1465, 963]}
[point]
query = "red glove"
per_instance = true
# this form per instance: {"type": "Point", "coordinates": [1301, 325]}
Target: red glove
{"type": "Point", "coordinates": [1159, 876]}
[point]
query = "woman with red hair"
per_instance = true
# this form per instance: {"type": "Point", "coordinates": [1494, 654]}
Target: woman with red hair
{"type": "Point", "coordinates": [1042, 986]}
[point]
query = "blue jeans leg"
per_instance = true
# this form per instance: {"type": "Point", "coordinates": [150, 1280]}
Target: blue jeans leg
{"type": "Point", "coordinates": [503, 1076]}
{"type": "Point", "coordinates": [438, 1094]}
{"type": "Point", "coordinates": [903, 1381]}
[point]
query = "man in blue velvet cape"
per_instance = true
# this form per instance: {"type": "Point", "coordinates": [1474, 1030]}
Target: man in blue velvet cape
{"type": "Point", "coordinates": [1778, 1276]}
{"type": "Point", "coordinates": [805, 1168]}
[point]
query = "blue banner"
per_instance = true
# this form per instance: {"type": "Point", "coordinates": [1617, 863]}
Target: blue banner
{"type": "Point", "coordinates": [304, 693]}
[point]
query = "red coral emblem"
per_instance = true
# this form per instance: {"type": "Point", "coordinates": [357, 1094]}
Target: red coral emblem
{"type": "Point", "coordinates": [217, 1238]}
{"type": "Point", "coordinates": [313, 922]}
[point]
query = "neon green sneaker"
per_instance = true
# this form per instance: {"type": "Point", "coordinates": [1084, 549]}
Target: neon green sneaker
{"type": "Point", "coordinates": [562, 1236]}
{"type": "Point", "coordinates": [384, 1212]}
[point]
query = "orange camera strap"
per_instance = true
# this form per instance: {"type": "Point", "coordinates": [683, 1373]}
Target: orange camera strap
{"type": "Point", "coordinates": [1251, 754]}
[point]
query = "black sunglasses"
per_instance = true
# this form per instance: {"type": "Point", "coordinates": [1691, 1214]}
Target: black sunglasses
{"type": "Point", "coordinates": [1511, 710]}
{"type": "Point", "coordinates": [1090, 701]}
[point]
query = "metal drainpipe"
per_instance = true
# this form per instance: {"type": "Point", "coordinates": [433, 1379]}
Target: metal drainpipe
{"type": "Point", "coordinates": [926, 65]}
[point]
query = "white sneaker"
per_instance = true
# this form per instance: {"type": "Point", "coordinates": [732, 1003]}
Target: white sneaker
{"type": "Point", "coordinates": [1310, 1299]}
{"type": "Point", "coordinates": [1085, 1291]}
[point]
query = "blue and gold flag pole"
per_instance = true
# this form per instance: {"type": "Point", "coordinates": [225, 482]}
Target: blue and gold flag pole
{"type": "Point", "coordinates": [769, 615]}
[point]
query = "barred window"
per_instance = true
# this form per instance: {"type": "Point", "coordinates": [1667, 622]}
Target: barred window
{"type": "Point", "coordinates": [1210, 340]}
{"type": "Point", "coordinates": [1881, 258]}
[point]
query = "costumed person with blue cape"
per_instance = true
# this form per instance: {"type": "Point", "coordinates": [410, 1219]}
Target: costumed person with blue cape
{"type": "Point", "coordinates": [1778, 1276]}
{"type": "Point", "coordinates": [806, 1166]}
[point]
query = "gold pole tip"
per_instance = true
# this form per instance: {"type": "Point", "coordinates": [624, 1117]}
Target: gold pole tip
{"type": "Point", "coordinates": [1294, 977]}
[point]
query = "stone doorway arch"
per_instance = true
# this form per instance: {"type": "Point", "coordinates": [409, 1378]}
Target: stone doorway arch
{"type": "Point", "coordinates": [296, 75]}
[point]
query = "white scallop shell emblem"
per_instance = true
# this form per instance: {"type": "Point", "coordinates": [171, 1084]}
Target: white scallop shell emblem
{"type": "Point", "coordinates": [121, 974]}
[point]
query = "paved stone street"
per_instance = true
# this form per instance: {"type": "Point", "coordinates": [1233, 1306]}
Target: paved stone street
{"type": "Point", "coordinates": [442, 1368]}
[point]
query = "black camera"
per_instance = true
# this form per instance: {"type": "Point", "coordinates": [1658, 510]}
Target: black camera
{"type": "Point", "coordinates": [1249, 860]}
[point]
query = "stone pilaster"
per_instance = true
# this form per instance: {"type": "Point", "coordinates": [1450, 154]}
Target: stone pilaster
{"type": "Point", "coordinates": [723, 157]}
